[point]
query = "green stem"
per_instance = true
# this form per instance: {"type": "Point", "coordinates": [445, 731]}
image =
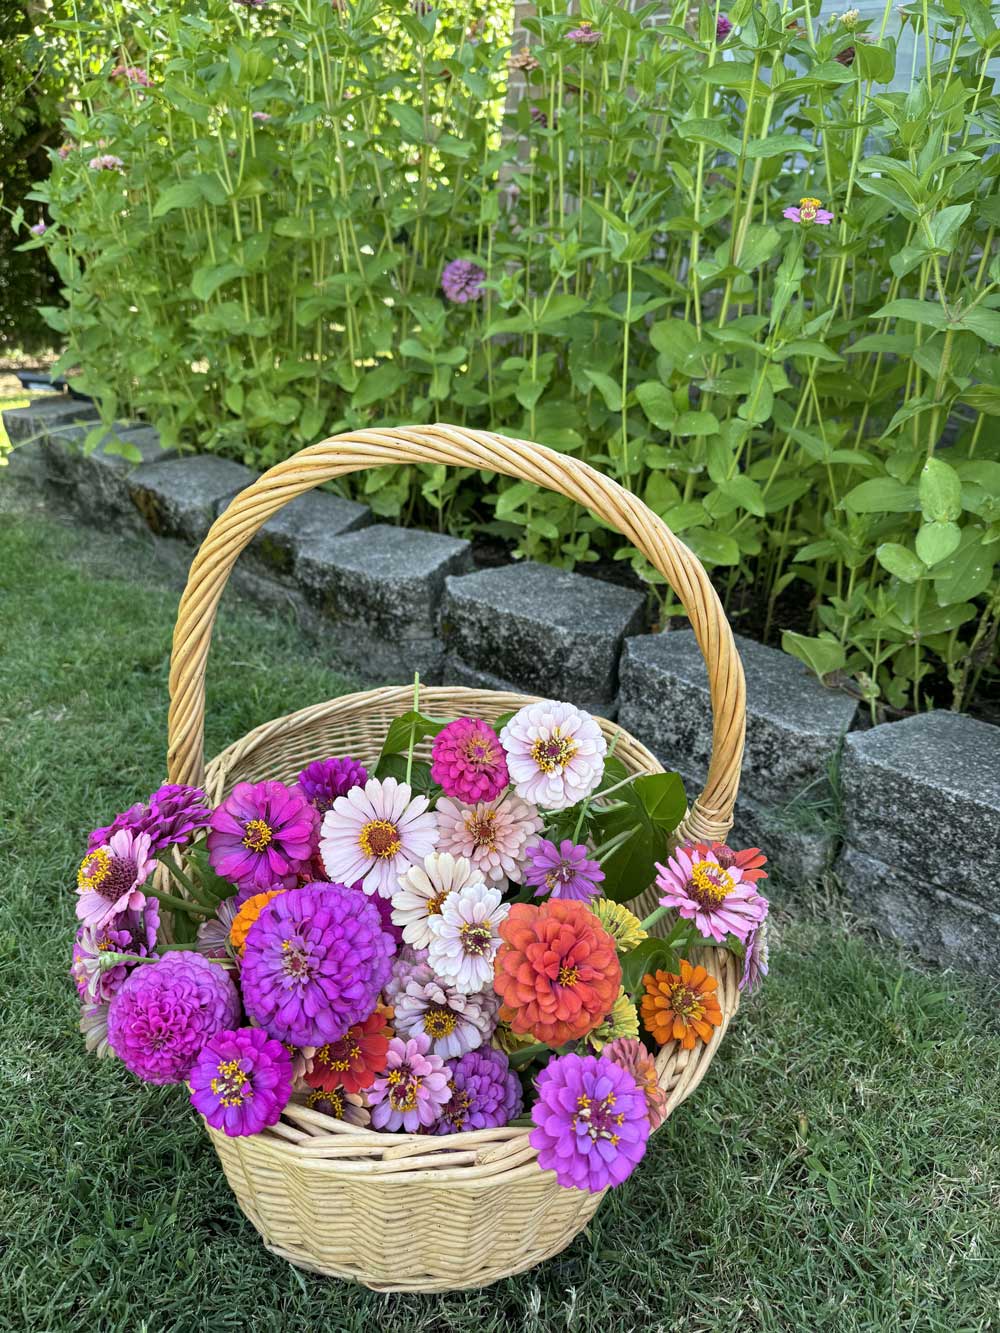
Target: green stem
{"type": "Point", "coordinates": [653, 917]}
{"type": "Point", "coordinates": [527, 1053]}
{"type": "Point", "coordinates": [413, 726]}
{"type": "Point", "coordinates": [177, 904]}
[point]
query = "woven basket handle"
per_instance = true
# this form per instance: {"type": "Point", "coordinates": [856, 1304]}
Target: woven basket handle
{"type": "Point", "coordinates": [710, 815]}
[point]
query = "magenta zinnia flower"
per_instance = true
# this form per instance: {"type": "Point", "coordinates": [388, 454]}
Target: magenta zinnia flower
{"type": "Point", "coordinates": [132, 932]}
{"type": "Point", "coordinates": [722, 29]}
{"type": "Point", "coordinates": [413, 1089]}
{"type": "Point", "coordinates": [809, 211]}
{"type": "Point", "coordinates": [314, 963]}
{"type": "Point", "coordinates": [241, 1081]}
{"type": "Point", "coordinates": [171, 816]}
{"type": "Point", "coordinates": [719, 901]}
{"type": "Point", "coordinates": [375, 832]}
{"type": "Point", "coordinates": [755, 963]}
{"type": "Point", "coordinates": [564, 871]}
{"type": "Point", "coordinates": [326, 779]}
{"type": "Point", "coordinates": [110, 878]}
{"type": "Point", "coordinates": [166, 1011]}
{"type": "Point", "coordinates": [591, 1122]}
{"type": "Point", "coordinates": [467, 761]}
{"type": "Point", "coordinates": [555, 754]}
{"type": "Point", "coordinates": [485, 1093]}
{"type": "Point", "coordinates": [585, 35]}
{"type": "Point", "coordinates": [261, 836]}
{"type": "Point", "coordinates": [462, 281]}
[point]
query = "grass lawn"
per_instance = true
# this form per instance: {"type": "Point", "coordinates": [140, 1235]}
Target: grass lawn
{"type": "Point", "coordinates": [838, 1169]}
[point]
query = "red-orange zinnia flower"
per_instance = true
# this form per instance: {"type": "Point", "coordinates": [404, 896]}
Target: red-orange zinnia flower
{"type": "Point", "coordinates": [353, 1062]}
{"type": "Point", "coordinates": [680, 1008]}
{"type": "Point", "coordinates": [750, 860]}
{"type": "Point", "coordinates": [557, 970]}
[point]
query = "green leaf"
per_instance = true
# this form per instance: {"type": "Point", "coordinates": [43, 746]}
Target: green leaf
{"type": "Point", "coordinates": [918, 312]}
{"type": "Point", "coordinates": [609, 389]}
{"type": "Point", "coordinates": [378, 384]}
{"type": "Point", "coordinates": [945, 225]}
{"type": "Point", "coordinates": [940, 491]}
{"type": "Point", "coordinates": [967, 573]}
{"type": "Point", "coordinates": [657, 403]}
{"type": "Point", "coordinates": [900, 562]}
{"type": "Point", "coordinates": [730, 74]}
{"type": "Point", "coordinates": [631, 868]}
{"type": "Point", "coordinates": [881, 495]}
{"type": "Point", "coordinates": [421, 782]}
{"type": "Point", "coordinates": [184, 194]}
{"type": "Point", "coordinates": [936, 541]}
{"type": "Point", "coordinates": [984, 323]}
{"type": "Point", "coordinates": [650, 955]}
{"type": "Point", "coordinates": [414, 724]}
{"type": "Point", "coordinates": [777, 145]}
{"type": "Point", "coordinates": [409, 120]}
{"type": "Point", "coordinates": [823, 655]}
{"type": "Point", "coordinates": [206, 281]}
{"type": "Point", "coordinates": [663, 796]}
{"type": "Point", "coordinates": [713, 548]}
{"type": "Point", "coordinates": [696, 423]}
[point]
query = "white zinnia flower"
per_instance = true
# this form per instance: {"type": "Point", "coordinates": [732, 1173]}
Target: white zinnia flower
{"type": "Point", "coordinates": [423, 889]}
{"type": "Point", "coordinates": [555, 754]}
{"type": "Point", "coordinates": [466, 937]}
{"type": "Point", "coordinates": [376, 832]}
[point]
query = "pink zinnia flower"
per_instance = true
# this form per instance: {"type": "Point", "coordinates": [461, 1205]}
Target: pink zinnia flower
{"type": "Point", "coordinates": [39, 229]}
{"type": "Point", "coordinates": [106, 162]}
{"type": "Point", "coordinates": [467, 761]}
{"type": "Point", "coordinates": [564, 871]}
{"type": "Point", "coordinates": [462, 281]}
{"type": "Point", "coordinates": [585, 35]}
{"type": "Point", "coordinates": [413, 1089]}
{"type": "Point", "coordinates": [110, 878]}
{"type": "Point", "coordinates": [555, 754]}
{"type": "Point", "coordinates": [809, 211]}
{"type": "Point", "coordinates": [133, 74]}
{"type": "Point", "coordinates": [719, 901]}
{"type": "Point", "coordinates": [376, 832]}
{"type": "Point", "coordinates": [261, 836]}
{"type": "Point", "coordinates": [491, 835]}
{"type": "Point", "coordinates": [261, 117]}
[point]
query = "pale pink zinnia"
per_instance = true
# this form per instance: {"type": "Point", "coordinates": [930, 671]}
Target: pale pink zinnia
{"type": "Point", "coordinates": [110, 878]}
{"type": "Point", "coordinates": [106, 162]}
{"type": "Point", "coordinates": [555, 754]}
{"type": "Point", "coordinates": [491, 834]}
{"type": "Point", "coordinates": [718, 900]}
{"type": "Point", "coordinates": [454, 1022]}
{"type": "Point", "coordinates": [413, 1089]}
{"type": "Point", "coordinates": [466, 937]}
{"type": "Point", "coordinates": [375, 833]}
{"type": "Point", "coordinates": [422, 891]}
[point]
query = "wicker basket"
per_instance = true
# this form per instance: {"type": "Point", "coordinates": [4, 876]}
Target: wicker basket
{"type": "Point", "coordinates": [406, 1212]}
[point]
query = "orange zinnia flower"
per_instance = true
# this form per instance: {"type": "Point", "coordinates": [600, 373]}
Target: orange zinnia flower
{"type": "Point", "coordinates": [557, 970]}
{"type": "Point", "coordinates": [680, 1007]}
{"type": "Point", "coordinates": [247, 915]}
{"type": "Point", "coordinates": [353, 1062]}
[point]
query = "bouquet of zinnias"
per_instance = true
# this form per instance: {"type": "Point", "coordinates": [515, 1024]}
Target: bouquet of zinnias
{"type": "Point", "coordinates": [432, 948]}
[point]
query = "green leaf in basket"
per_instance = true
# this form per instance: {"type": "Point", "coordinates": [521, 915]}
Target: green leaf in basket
{"type": "Point", "coordinates": [664, 798]}
{"type": "Point", "coordinates": [394, 766]}
{"type": "Point", "coordinates": [631, 868]}
{"type": "Point", "coordinates": [649, 956]}
{"type": "Point", "coordinates": [411, 724]}
{"type": "Point", "coordinates": [501, 722]}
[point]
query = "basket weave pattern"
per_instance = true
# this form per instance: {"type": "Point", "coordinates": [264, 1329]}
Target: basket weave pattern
{"type": "Point", "coordinates": [405, 1212]}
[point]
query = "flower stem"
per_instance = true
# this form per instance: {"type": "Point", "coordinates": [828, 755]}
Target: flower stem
{"type": "Point", "coordinates": [527, 1053]}
{"type": "Point", "coordinates": [176, 873]}
{"type": "Point", "coordinates": [177, 904]}
{"type": "Point", "coordinates": [653, 917]}
{"type": "Point", "coordinates": [413, 726]}
{"type": "Point", "coordinates": [608, 849]}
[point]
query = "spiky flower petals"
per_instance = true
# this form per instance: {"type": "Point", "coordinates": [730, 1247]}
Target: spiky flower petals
{"type": "Point", "coordinates": [414, 1088]}
{"type": "Point", "coordinates": [755, 962]}
{"type": "Point", "coordinates": [353, 1061]}
{"type": "Point", "coordinates": [166, 1011]}
{"type": "Point", "coordinates": [555, 754]}
{"type": "Point", "coordinates": [314, 963]}
{"type": "Point", "coordinates": [681, 1007]}
{"type": "Point", "coordinates": [241, 1081]}
{"type": "Point", "coordinates": [557, 971]}
{"type": "Point", "coordinates": [465, 936]}
{"type": "Point", "coordinates": [423, 890]}
{"type": "Point", "coordinates": [719, 901]}
{"type": "Point", "coordinates": [637, 1061]}
{"type": "Point", "coordinates": [172, 816]}
{"type": "Point", "coordinates": [591, 1124]}
{"type": "Point", "coordinates": [455, 1022]}
{"type": "Point", "coordinates": [467, 761]}
{"type": "Point", "coordinates": [485, 1093]}
{"type": "Point", "coordinates": [376, 832]}
{"type": "Point", "coordinates": [492, 835]}
{"type": "Point", "coordinates": [261, 836]}
{"type": "Point", "coordinates": [623, 926]}
{"type": "Point", "coordinates": [565, 871]}
{"type": "Point", "coordinates": [110, 878]}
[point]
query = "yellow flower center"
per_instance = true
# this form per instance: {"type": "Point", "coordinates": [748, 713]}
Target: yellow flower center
{"type": "Point", "coordinates": [598, 1118]}
{"type": "Point", "coordinates": [334, 1099]}
{"type": "Point", "coordinates": [439, 1022]}
{"type": "Point", "coordinates": [568, 976]}
{"type": "Point", "coordinates": [231, 1086]}
{"type": "Point", "coordinates": [553, 752]}
{"type": "Point", "coordinates": [257, 835]}
{"type": "Point", "coordinates": [482, 829]}
{"type": "Point", "coordinates": [710, 884]}
{"type": "Point", "coordinates": [94, 869]}
{"type": "Point", "coordinates": [402, 1090]}
{"type": "Point", "coordinates": [380, 838]}
{"type": "Point", "coordinates": [476, 938]}
{"type": "Point", "coordinates": [434, 905]}
{"type": "Point", "coordinates": [685, 1002]}
{"type": "Point", "coordinates": [338, 1055]}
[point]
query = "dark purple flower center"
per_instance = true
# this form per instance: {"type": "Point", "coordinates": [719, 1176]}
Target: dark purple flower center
{"type": "Point", "coordinates": [563, 873]}
{"type": "Point", "coordinates": [297, 962]}
{"type": "Point", "coordinates": [598, 1120]}
{"type": "Point", "coordinates": [257, 835]}
{"type": "Point", "coordinates": [231, 1085]}
{"type": "Point", "coordinates": [338, 1055]}
{"type": "Point", "coordinates": [459, 1108]}
{"type": "Point", "coordinates": [109, 875]}
{"type": "Point", "coordinates": [476, 938]}
{"type": "Point", "coordinates": [439, 1021]}
{"type": "Point", "coordinates": [403, 1085]}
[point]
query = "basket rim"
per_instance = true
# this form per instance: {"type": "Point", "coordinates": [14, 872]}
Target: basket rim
{"type": "Point", "coordinates": [326, 1142]}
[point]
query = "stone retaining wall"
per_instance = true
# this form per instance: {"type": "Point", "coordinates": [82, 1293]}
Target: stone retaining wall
{"type": "Point", "coordinates": [906, 815]}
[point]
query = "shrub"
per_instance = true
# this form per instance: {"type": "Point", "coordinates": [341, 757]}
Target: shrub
{"type": "Point", "coordinates": [810, 403]}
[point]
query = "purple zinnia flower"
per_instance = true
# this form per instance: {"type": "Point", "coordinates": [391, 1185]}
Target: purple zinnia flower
{"type": "Point", "coordinates": [590, 1120]}
{"type": "Point", "coordinates": [261, 117]}
{"type": "Point", "coordinates": [468, 762]}
{"type": "Point", "coordinates": [110, 878]}
{"type": "Point", "coordinates": [39, 229]}
{"type": "Point", "coordinates": [241, 1081]}
{"type": "Point", "coordinates": [326, 779]}
{"type": "Point", "coordinates": [132, 932]}
{"type": "Point", "coordinates": [462, 281]}
{"type": "Point", "coordinates": [314, 963]}
{"type": "Point", "coordinates": [166, 1011]}
{"type": "Point", "coordinates": [485, 1093]}
{"type": "Point", "coordinates": [413, 1089]}
{"type": "Point", "coordinates": [722, 29]}
{"type": "Point", "coordinates": [408, 965]}
{"type": "Point", "coordinates": [261, 836]}
{"type": "Point", "coordinates": [585, 35]}
{"type": "Point", "coordinates": [171, 816]}
{"type": "Point", "coordinates": [106, 162]}
{"type": "Point", "coordinates": [755, 962]}
{"type": "Point", "coordinates": [564, 871]}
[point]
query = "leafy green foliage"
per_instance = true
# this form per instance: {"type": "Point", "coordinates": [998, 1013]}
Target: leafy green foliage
{"type": "Point", "coordinates": [796, 400]}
